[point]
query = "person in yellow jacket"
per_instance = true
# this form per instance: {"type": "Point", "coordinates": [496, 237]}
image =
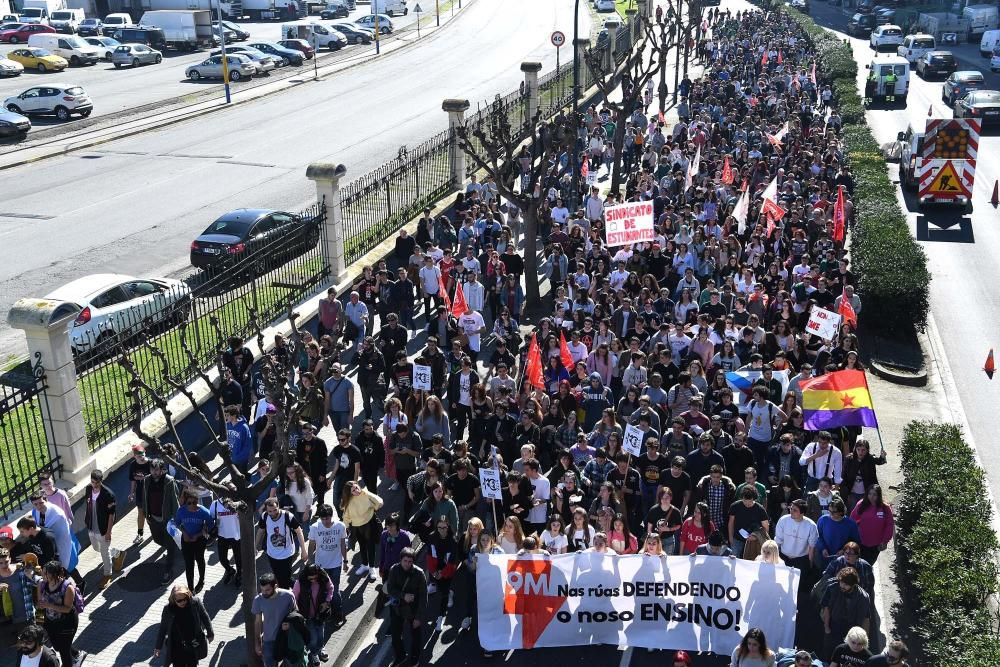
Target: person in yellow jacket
{"type": "Point", "coordinates": [358, 507]}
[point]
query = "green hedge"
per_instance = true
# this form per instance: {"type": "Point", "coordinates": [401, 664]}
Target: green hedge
{"type": "Point", "coordinates": [890, 264]}
{"type": "Point", "coordinates": [944, 527]}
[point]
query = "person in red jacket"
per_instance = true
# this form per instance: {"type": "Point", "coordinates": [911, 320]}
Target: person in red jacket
{"type": "Point", "coordinates": [442, 562]}
{"type": "Point", "coordinates": [875, 523]}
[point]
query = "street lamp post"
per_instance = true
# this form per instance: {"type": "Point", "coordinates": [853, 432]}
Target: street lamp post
{"type": "Point", "coordinates": [225, 58]}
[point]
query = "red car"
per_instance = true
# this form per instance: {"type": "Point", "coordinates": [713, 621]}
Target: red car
{"type": "Point", "coordinates": [21, 33]}
{"type": "Point", "coordinates": [299, 45]}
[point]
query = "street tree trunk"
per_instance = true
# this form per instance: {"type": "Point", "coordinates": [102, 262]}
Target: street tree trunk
{"type": "Point", "coordinates": [619, 145]}
{"type": "Point", "coordinates": [532, 291]}
{"type": "Point", "coordinates": [248, 559]}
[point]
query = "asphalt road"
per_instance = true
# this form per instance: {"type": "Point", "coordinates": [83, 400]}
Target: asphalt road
{"type": "Point", "coordinates": [962, 248]}
{"type": "Point", "coordinates": [114, 90]}
{"type": "Point", "coordinates": [134, 205]}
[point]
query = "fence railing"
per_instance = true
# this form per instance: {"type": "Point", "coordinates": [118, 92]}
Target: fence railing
{"type": "Point", "coordinates": [25, 450]}
{"type": "Point", "coordinates": [377, 204]}
{"type": "Point", "coordinates": [263, 277]}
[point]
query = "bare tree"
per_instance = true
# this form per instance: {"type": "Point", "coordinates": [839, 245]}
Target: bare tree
{"type": "Point", "coordinates": [645, 60]}
{"type": "Point", "coordinates": [238, 492]}
{"type": "Point", "coordinates": [496, 147]}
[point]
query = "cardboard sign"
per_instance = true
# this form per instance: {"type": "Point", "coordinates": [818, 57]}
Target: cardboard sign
{"type": "Point", "coordinates": [632, 440]}
{"type": "Point", "coordinates": [489, 480]}
{"type": "Point", "coordinates": [823, 323]}
{"type": "Point", "coordinates": [421, 377]}
{"type": "Point", "coordinates": [629, 223]}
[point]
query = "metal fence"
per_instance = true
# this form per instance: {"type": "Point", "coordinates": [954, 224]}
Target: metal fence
{"type": "Point", "coordinates": [25, 448]}
{"type": "Point", "coordinates": [514, 106]}
{"type": "Point", "coordinates": [376, 205]}
{"type": "Point", "coordinates": [196, 316]}
{"type": "Point", "coordinates": [555, 89]}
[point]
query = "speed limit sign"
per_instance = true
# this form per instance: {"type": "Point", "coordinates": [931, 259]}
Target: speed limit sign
{"type": "Point", "coordinates": [558, 39]}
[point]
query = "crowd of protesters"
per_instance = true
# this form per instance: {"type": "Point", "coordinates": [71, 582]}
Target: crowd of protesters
{"type": "Point", "coordinates": [633, 335]}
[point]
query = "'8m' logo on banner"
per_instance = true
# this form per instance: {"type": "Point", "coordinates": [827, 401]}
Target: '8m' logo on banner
{"type": "Point", "coordinates": [531, 594]}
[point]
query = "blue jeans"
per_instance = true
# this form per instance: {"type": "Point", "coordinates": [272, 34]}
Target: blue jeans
{"type": "Point", "coordinates": [268, 656]}
{"type": "Point", "coordinates": [340, 419]}
{"type": "Point", "coordinates": [334, 573]}
{"type": "Point", "coordinates": [317, 632]}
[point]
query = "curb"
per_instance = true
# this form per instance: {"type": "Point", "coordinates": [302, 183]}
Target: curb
{"type": "Point", "coordinates": [353, 641]}
{"type": "Point", "coordinates": [899, 376]}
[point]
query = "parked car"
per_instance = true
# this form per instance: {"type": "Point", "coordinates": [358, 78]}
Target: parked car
{"type": "Point", "coordinates": [995, 60]}
{"type": "Point", "coordinates": [40, 59]}
{"type": "Point", "coordinates": [334, 12]}
{"type": "Point", "coordinates": [13, 124]}
{"type": "Point", "coordinates": [981, 104]}
{"type": "Point", "coordinates": [861, 24]}
{"type": "Point", "coordinates": [74, 49]}
{"type": "Point", "coordinates": [151, 37]}
{"type": "Point", "coordinates": [940, 63]}
{"type": "Point", "coordinates": [10, 67]}
{"type": "Point", "coordinates": [23, 32]}
{"type": "Point", "coordinates": [354, 33]}
{"type": "Point", "coordinates": [240, 67]}
{"type": "Point", "coordinates": [59, 101]}
{"type": "Point", "coordinates": [801, 5]}
{"type": "Point", "coordinates": [133, 55]}
{"type": "Point", "coordinates": [886, 36]}
{"type": "Point", "coordinates": [263, 63]}
{"type": "Point", "coordinates": [113, 306]}
{"type": "Point", "coordinates": [605, 5]}
{"type": "Point", "coordinates": [108, 44]}
{"type": "Point", "coordinates": [116, 21]}
{"type": "Point", "coordinates": [385, 26]}
{"type": "Point", "coordinates": [239, 34]}
{"type": "Point", "coordinates": [90, 27]}
{"type": "Point", "coordinates": [289, 56]}
{"type": "Point", "coordinates": [300, 45]}
{"type": "Point", "coordinates": [960, 83]}
{"type": "Point", "coordinates": [248, 233]}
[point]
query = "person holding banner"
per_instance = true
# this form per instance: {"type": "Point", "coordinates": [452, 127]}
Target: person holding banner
{"type": "Point", "coordinates": [406, 587]}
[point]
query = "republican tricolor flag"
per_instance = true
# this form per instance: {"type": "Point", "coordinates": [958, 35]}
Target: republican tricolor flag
{"type": "Point", "coordinates": [837, 399]}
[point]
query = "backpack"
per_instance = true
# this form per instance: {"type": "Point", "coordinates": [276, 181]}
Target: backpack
{"type": "Point", "coordinates": [78, 601]}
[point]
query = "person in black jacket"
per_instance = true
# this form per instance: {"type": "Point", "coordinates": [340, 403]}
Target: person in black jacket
{"type": "Point", "coordinates": [31, 644]}
{"type": "Point", "coordinates": [372, 448]}
{"type": "Point", "coordinates": [783, 459]}
{"type": "Point", "coordinates": [186, 624]}
{"type": "Point", "coordinates": [34, 540]}
{"type": "Point", "coordinates": [99, 519]}
{"type": "Point", "coordinates": [391, 337]}
{"type": "Point", "coordinates": [860, 472]}
{"type": "Point", "coordinates": [239, 360]}
{"type": "Point", "coordinates": [501, 431]}
{"type": "Point", "coordinates": [402, 296]}
{"type": "Point", "coordinates": [432, 356]}
{"type": "Point", "coordinates": [403, 249]}
{"type": "Point", "coordinates": [460, 396]}
{"type": "Point", "coordinates": [406, 586]}
{"type": "Point", "coordinates": [311, 452]}
{"type": "Point", "coordinates": [371, 366]}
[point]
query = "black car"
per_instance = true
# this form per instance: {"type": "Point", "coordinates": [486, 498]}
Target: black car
{"type": "Point", "coordinates": [272, 237]}
{"type": "Point", "coordinates": [338, 12]}
{"type": "Point", "coordinates": [151, 37]}
{"type": "Point", "coordinates": [940, 63]}
{"type": "Point", "coordinates": [981, 104]}
{"type": "Point", "coordinates": [861, 25]}
{"type": "Point", "coordinates": [238, 33]}
{"type": "Point", "coordinates": [354, 33]}
{"type": "Point", "coordinates": [292, 56]}
{"type": "Point", "coordinates": [90, 27]}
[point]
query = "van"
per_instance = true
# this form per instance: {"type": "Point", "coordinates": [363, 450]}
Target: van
{"type": "Point", "coordinates": [318, 35]}
{"type": "Point", "coordinates": [390, 7]}
{"type": "Point", "coordinates": [113, 22]}
{"type": "Point", "coordinates": [981, 18]}
{"type": "Point", "coordinates": [990, 40]}
{"type": "Point", "coordinates": [151, 37]}
{"type": "Point", "coordinates": [74, 49]}
{"type": "Point", "coordinates": [881, 65]}
{"type": "Point", "coordinates": [66, 20]}
{"type": "Point", "coordinates": [914, 46]}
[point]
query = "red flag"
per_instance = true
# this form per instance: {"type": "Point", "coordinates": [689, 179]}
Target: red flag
{"type": "Point", "coordinates": [443, 291]}
{"type": "Point", "coordinates": [781, 57]}
{"type": "Point", "coordinates": [846, 310]}
{"type": "Point", "coordinates": [746, 184]}
{"type": "Point", "coordinates": [533, 365]}
{"type": "Point", "coordinates": [727, 172]}
{"type": "Point", "coordinates": [585, 168]}
{"type": "Point", "coordinates": [564, 353]}
{"type": "Point", "coordinates": [763, 59]}
{"type": "Point", "coordinates": [812, 74]}
{"type": "Point", "coordinates": [458, 306]}
{"type": "Point", "coordinates": [838, 215]}
{"type": "Point", "coordinates": [663, 119]}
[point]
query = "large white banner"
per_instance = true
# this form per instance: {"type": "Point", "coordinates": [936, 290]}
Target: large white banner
{"type": "Point", "coordinates": [629, 223]}
{"type": "Point", "coordinates": [700, 603]}
{"type": "Point", "coordinates": [824, 323]}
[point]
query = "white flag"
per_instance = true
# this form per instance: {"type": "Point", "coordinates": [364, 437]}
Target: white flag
{"type": "Point", "coordinates": [741, 211]}
{"type": "Point", "coordinates": [693, 169]}
{"type": "Point", "coordinates": [771, 191]}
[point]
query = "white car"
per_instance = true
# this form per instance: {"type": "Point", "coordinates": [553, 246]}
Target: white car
{"type": "Point", "coordinates": [605, 5]}
{"type": "Point", "coordinates": [994, 60]}
{"type": "Point", "coordinates": [59, 101]}
{"type": "Point", "coordinates": [113, 305]}
{"type": "Point", "coordinates": [9, 67]}
{"type": "Point", "coordinates": [886, 36]}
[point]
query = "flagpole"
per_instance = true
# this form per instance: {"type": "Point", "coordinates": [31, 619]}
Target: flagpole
{"type": "Point", "coordinates": [496, 523]}
{"type": "Point", "coordinates": [878, 431]}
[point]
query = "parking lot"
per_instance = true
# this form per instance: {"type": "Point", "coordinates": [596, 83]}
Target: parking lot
{"type": "Point", "coordinates": [114, 91]}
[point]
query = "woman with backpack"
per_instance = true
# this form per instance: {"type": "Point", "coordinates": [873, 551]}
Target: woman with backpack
{"type": "Point", "coordinates": [186, 624]}
{"type": "Point", "coordinates": [62, 603]}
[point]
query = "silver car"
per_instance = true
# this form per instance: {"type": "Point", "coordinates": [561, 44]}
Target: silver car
{"type": "Point", "coordinates": [134, 55]}
{"type": "Point", "coordinates": [13, 124]}
{"type": "Point", "coordinates": [263, 63]}
{"type": "Point", "coordinates": [240, 67]}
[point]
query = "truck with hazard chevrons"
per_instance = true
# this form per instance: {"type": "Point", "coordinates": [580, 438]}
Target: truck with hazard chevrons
{"type": "Point", "coordinates": [940, 162]}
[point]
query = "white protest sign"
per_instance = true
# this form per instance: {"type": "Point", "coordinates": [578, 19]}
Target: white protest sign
{"type": "Point", "coordinates": [489, 480]}
{"type": "Point", "coordinates": [823, 323]}
{"type": "Point", "coordinates": [421, 377]}
{"type": "Point", "coordinates": [632, 440]}
{"type": "Point", "coordinates": [693, 603]}
{"type": "Point", "coordinates": [629, 223]}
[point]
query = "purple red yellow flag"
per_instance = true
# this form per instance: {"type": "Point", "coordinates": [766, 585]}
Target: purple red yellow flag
{"type": "Point", "coordinates": [837, 399]}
